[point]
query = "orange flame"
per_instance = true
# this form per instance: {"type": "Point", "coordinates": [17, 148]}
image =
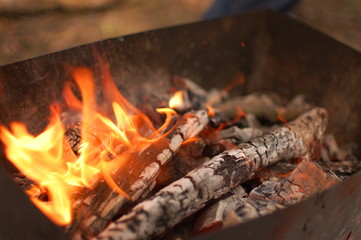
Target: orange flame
{"type": "Point", "coordinates": [106, 146]}
{"type": "Point", "coordinates": [211, 111]}
{"type": "Point", "coordinates": [239, 81]}
{"type": "Point", "coordinates": [41, 160]}
{"type": "Point", "coordinates": [281, 115]}
{"type": "Point", "coordinates": [240, 114]}
{"type": "Point", "coordinates": [176, 100]}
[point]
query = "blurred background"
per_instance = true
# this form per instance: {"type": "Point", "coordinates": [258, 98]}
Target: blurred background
{"type": "Point", "coordinates": [30, 28]}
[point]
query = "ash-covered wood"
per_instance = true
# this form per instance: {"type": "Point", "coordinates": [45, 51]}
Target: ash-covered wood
{"type": "Point", "coordinates": [212, 217]}
{"type": "Point", "coordinates": [307, 179]}
{"type": "Point", "coordinates": [137, 178]}
{"type": "Point", "coordinates": [189, 157]}
{"type": "Point", "coordinates": [266, 106]}
{"type": "Point", "coordinates": [339, 159]}
{"type": "Point", "coordinates": [240, 135]}
{"type": "Point", "coordinates": [218, 176]}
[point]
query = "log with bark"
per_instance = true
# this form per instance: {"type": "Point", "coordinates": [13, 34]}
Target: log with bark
{"type": "Point", "coordinates": [218, 176]}
{"type": "Point", "coordinates": [98, 206]}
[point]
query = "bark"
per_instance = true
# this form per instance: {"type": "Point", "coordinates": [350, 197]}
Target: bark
{"type": "Point", "coordinates": [137, 178]}
{"type": "Point", "coordinates": [218, 176]}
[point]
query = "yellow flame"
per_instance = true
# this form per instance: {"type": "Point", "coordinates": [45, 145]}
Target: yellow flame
{"type": "Point", "coordinates": [106, 146]}
{"type": "Point", "coordinates": [176, 100]}
{"type": "Point", "coordinates": [41, 160]}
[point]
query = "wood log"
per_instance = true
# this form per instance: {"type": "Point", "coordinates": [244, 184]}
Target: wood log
{"type": "Point", "coordinates": [212, 217]}
{"type": "Point", "coordinates": [240, 135]}
{"type": "Point", "coordinates": [218, 176]}
{"type": "Point", "coordinates": [266, 106]}
{"type": "Point", "coordinates": [73, 135]}
{"type": "Point", "coordinates": [307, 179]}
{"type": "Point", "coordinates": [98, 206]}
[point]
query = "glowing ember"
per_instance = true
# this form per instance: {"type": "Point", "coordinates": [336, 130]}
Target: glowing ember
{"type": "Point", "coordinates": [211, 111]}
{"type": "Point", "coordinates": [47, 159]}
{"type": "Point", "coordinates": [281, 115]}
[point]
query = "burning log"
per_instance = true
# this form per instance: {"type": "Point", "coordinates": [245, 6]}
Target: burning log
{"type": "Point", "coordinates": [240, 134]}
{"type": "Point", "coordinates": [264, 106]}
{"type": "Point", "coordinates": [73, 135]}
{"type": "Point", "coordinates": [213, 217]}
{"type": "Point", "coordinates": [99, 206]}
{"type": "Point", "coordinates": [307, 179]}
{"type": "Point", "coordinates": [218, 176]}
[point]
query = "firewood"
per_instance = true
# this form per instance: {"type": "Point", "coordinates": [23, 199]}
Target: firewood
{"type": "Point", "coordinates": [298, 105]}
{"type": "Point", "coordinates": [339, 159]}
{"type": "Point", "coordinates": [212, 217]}
{"type": "Point", "coordinates": [73, 135]}
{"type": "Point", "coordinates": [195, 95]}
{"type": "Point", "coordinates": [266, 106]}
{"type": "Point", "coordinates": [137, 178]}
{"type": "Point", "coordinates": [240, 134]}
{"type": "Point", "coordinates": [307, 179]}
{"type": "Point", "coordinates": [188, 157]}
{"type": "Point", "coordinates": [218, 176]}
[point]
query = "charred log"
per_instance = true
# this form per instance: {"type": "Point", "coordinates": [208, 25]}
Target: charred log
{"type": "Point", "coordinates": [218, 176]}
{"type": "Point", "coordinates": [308, 178]}
{"type": "Point", "coordinates": [97, 207]}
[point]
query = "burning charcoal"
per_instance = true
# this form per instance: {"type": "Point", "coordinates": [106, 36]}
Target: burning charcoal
{"type": "Point", "coordinates": [241, 135]}
{"type": "Point", "coordinates": [249, 210]}
{"type": "Point", "coordinates": [216, 96]}
{"type": "Point", "coordinates": [331, 151]}
{"type": "Point", "coordinates": [196, 95]}
{"type": "Point", "coordinates": [189, 157]}
{"type": "Point", "coordinates": [212, 217]}
{"type": "Point", "coordinates": [137, 179]}
{"type": "Point", "coordinates": [191, 151]}
{"type": "Point", "coordinates": [22, 180]}
{"type": "Point", "coordinates": [180, 102]}
{"type": "Point", "coordinates": [307, 179]}
{"type": "Point", "coordinates": [340, 160]}
{"type": "Point", "coordinates": [217, 120]}
{"type": "Point", "coordinates": [218, 176]}
{"type": "Point", "coordinates": [216, 148]}
{"type": "Point", "coordinates": [276, 172]}
{"type": "Point", "coordinates": [73, 134]}
{"type": "Point", "coordinates": [69, 118]}
{"type": "Point", "coordinates": [263, 106]}
{"type": "Point", "coordinates": [214, 143]}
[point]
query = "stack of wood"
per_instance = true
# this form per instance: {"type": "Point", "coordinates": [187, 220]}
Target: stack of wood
{"type": "Point", "coordinates": [245, 157]}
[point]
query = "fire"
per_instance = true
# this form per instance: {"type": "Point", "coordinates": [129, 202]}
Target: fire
{"type": "Point", "coordinates": [240, 114]}
{"type": "Point", "coordinates": [176, 100]}
{"type": "Point", "coordinates": [108, 140]}
{"type": "Point", "coordinates": [281, 115]}
{"type": "Point", "coordinates": [211, 111]}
